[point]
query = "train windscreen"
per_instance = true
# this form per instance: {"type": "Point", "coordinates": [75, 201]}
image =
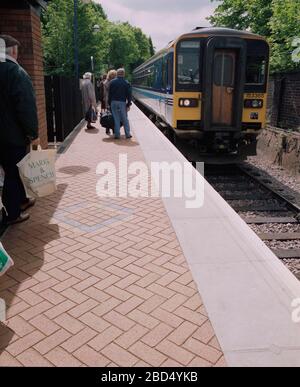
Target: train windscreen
{"type": "Point", "coordinates": [188, 63]}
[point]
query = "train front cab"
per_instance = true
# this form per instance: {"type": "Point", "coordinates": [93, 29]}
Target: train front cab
{"type": "Point", "coordinates": [221, 92]}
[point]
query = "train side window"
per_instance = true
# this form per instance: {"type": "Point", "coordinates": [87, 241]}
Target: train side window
{"type": "Point", "coordinates": [188, 62]}
{"type": "Point", "coordinates": [150, 77]}
{"type": "Point", "coordinates": [256, 70]}
{"type": "Point", "coordinates": [164, 74]}
{"type": "Point", "coordinates": [170, 73]}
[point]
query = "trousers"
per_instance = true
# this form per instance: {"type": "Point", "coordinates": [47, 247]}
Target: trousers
{"type": "Point", "coordinates": [13, 193]}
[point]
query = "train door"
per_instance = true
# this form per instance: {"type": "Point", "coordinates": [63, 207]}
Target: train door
{"type": "Point", "coordinates": [223, 86]}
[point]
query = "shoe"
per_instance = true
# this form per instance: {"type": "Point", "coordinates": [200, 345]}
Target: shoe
{"type": "Point", "coordinates": [117, 138]}
{"type": "Point", "coordinates": [30, 203]}
{"type": "Point", "coordinates": [90, 127]}
{"type": "Point", "coordinates": [22, 218]}
{"type": "Point", "coordinates": [129, 137]}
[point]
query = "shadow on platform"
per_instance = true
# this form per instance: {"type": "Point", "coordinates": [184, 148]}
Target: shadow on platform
{"type": "Point", "coordinates": [92, 131]}
{"type": "Point", "coordinates": [122, 142]}
{"type": "Point", "coordinates": [74, 170]}
{"type": "Point", "coordinates": [26, 244]}
{"type": "Point", "coordinates": [6, 334]}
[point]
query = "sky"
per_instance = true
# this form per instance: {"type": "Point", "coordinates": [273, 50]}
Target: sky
{"type": "Point", "coordinates": [163, 20]}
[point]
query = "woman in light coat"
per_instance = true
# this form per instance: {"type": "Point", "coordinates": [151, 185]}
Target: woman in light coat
{"type": "Point", "coordinates": [88, 98]}
{"type": "Point", "coordinates": [112, 74]}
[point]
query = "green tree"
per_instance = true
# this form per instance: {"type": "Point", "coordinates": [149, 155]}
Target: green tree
{"type": "Point", "coordinates": [117, 44]}
{"type": "Point", "coordinates": [277, 20]}
{"type": "Point", "coordinates": [285, 27]}
{"type": "Point", "coordinates": [128, 47]}
{"type": "Point", "coordinates": [151, 47]}
{"type": "Point", "coordinates": [92, 43]}
{"type": "Point", "coordinates": [143, 47]}
{"type": "Point", "coordinates": [96, 7]}
{"type": "Point", "coordinates": [231, 14]}
{"type": "Point", "coordinates": [57, 37]}
{"type": "Point", "coordinates": [241, 14]}
{"type": "Point", "coordinates": [123, 49]}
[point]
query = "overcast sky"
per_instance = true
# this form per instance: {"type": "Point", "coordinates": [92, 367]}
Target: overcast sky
{"type": "Point", "coordinates": [163, 20]}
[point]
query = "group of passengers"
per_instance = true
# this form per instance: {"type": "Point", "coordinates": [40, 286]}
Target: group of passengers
{"type": "Point", "coordinates": [19, 121]}
{"type": "Point", "coordinates": [114, 94]}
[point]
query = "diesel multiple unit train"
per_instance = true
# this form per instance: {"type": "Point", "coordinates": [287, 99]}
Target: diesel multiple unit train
{"type": "Point", "coordinates": [209, 87]}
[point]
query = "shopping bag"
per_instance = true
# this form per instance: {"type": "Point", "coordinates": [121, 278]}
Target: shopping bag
{"type": "Point", "coordinates": [91, 115]}
{"type": "Point", "coordinates": [37, 171]}
{"type": "Point", "coordinates": [5, 261]}
{"type": "Point", "coordinates": [94, 116]}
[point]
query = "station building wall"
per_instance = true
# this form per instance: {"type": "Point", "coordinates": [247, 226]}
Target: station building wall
{"type": "Point", "coordinates": [23, 23]}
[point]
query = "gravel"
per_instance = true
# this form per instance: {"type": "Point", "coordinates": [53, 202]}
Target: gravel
{"type": "Point", "coordinates": [268, 214]}
{"type": "Point", "coordinates": [293, 182]}
{"type": "Point", "coordinates": [294, 266]}
{"type": "Point", "coordinates": [284, 245]}
{"type": "Point", "coordinates": [281, 174]}
{"type": "Point", "coordinates": [275, 228]}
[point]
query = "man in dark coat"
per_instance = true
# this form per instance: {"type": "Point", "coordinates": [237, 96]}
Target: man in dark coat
{"type": "Point", "coordinates": [18, 128]}
{"type": "Point", "coordinates": [119, 99]}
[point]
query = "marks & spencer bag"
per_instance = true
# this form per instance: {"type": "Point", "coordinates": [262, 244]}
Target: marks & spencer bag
{"type": "Point", "coordinates": [37, 171]}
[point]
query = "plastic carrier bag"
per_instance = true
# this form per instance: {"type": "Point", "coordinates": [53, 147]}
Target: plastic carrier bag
{"type": "Point", "coordinates": [5, 261]}
{"type": "Point", "coordinates": [37, 171]}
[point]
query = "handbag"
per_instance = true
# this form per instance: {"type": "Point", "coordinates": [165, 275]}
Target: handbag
{"type": "Point", "coordinates": [107, 120]}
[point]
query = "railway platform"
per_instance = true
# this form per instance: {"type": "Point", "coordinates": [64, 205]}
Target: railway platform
{"type": "Point", "coordinates": [123, 281]}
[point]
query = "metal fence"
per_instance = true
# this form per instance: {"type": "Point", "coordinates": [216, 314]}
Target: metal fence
{"type": "Point", "coordinates": [63, 106]}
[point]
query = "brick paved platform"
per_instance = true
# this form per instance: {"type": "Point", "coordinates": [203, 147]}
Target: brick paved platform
{"type": "Point", "coordinates": [101, 282]}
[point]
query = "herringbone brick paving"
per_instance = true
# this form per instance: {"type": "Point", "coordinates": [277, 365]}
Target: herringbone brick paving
{"type": "Point", "coordinates": [101, 282]}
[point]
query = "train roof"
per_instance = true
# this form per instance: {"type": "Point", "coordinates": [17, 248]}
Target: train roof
{"type": "Point", "coordinates": [222, 31]}
{"type": "Point", "coordinates": [205, 31]}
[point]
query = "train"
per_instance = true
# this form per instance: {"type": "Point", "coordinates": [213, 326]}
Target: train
{"type": "Point", "coordinates": [208, 88]}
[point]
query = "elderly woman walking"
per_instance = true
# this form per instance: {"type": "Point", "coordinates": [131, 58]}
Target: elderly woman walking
{"type": "Point", "coordinates": [89, 100]}
{"type": "Point", "coordinates": [112, 74]}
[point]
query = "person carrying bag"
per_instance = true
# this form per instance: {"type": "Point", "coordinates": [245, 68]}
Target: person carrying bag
{"type": "Point", "coordinates": [89, 100]}
{"type": "Point", "coordinates": [18, 129]}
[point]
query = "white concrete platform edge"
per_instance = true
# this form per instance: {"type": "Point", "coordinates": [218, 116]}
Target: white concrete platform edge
{"type": "Point", "coordinates": [246, 290]}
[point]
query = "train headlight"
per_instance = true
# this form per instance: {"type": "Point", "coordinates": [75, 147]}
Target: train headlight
{"type": "Point", "coordinates": [254, 103]}
{"type": "Point", "coordinates": [188, 102]}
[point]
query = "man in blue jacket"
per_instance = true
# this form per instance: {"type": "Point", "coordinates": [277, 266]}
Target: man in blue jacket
{"type": "Point", "coordinates": [18, 128]}
{"type": "Point", "coordinates": [119, 99]}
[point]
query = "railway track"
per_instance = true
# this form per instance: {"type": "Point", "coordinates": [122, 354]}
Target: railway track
{"type": "Point", "coordinates": [271, 209]}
